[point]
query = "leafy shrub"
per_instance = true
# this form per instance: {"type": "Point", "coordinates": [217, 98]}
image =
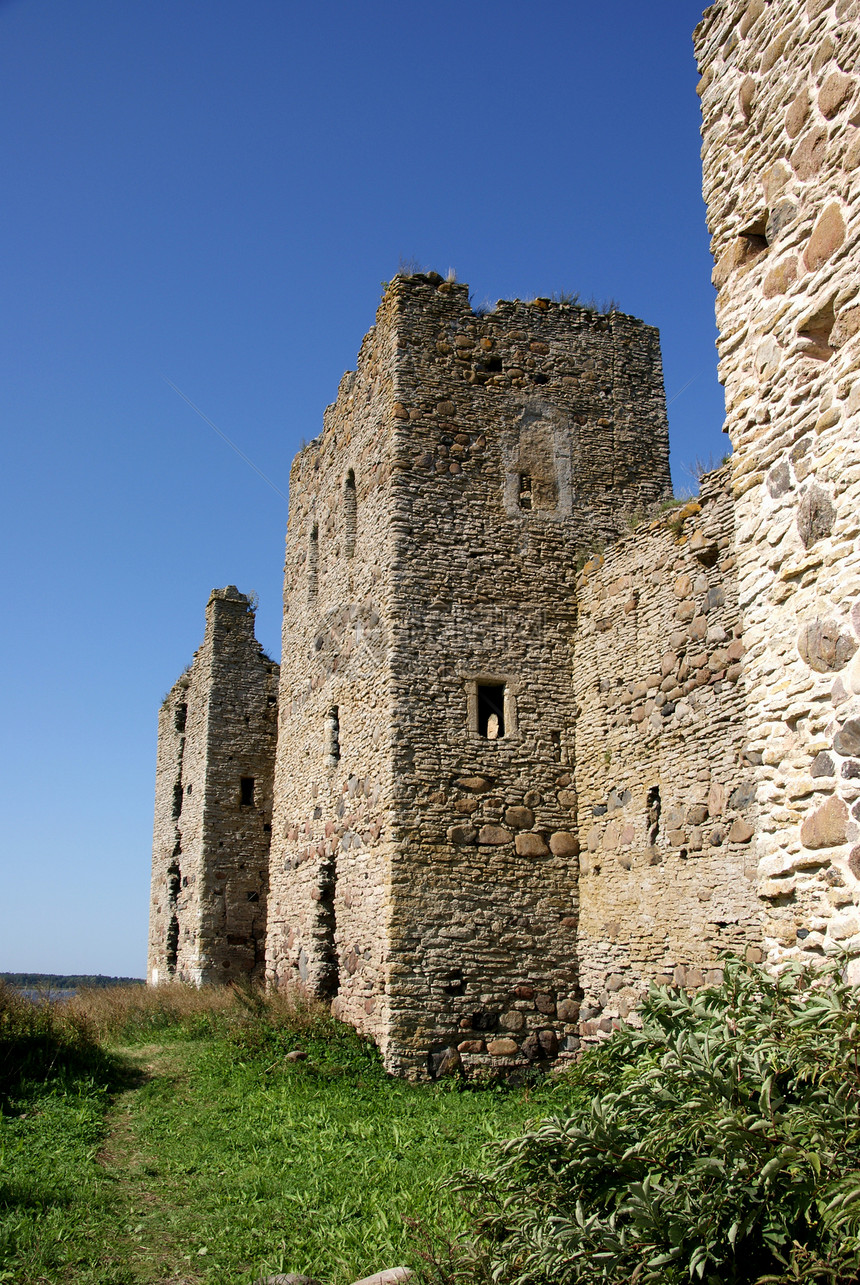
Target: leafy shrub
{"type": "Point", "coordinates": [721, 1142]}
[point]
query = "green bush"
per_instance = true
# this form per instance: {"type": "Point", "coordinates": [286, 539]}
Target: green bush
{"type": "Point", "coordinates": [721, 1143]}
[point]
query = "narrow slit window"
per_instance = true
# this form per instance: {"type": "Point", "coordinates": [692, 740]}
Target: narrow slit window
{"type": "Point", "coordinates": [491, 710]}
{"type": "Point", "coordinates": [525, 496]}
{"type": "Point", "coordinates": [313, 561]}
{"type": "Point", "coordinates": [246, 786]}
{"type": "Point", "coordinates": [350, 514]}
{"type": "Point", "coordinates": [332, 736]}
{"type": "Point", "coordinates": [177, 799]}
{"type": "Point", "coordinates": [180, 715]}
{"type": "Point", "coordinates": [653, 805]}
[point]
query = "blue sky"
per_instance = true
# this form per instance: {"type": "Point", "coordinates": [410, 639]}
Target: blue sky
{"type": "Point", "coordinates": [211, 192]}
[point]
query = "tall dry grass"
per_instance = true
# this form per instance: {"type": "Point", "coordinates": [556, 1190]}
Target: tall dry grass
{"type": "Point", "coordinates": [129, 1012]}
{"type": "Point", "coordinates": [42, 1041]}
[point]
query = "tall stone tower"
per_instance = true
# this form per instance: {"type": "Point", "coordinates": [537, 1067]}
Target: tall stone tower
{"type": "Point", "coordinates": [213, 805]}
{"type": "Point", "coordinates": [424, 859]}
{"type": "Point", "coordinates": [781, 150]}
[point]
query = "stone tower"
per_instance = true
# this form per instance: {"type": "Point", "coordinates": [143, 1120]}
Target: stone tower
{"type": "Point", "coordinates": [424, 858]}
{"type": "Point", "coordinates": [781, 150]}
{"type": "Point", "coordinates": [213, 805]}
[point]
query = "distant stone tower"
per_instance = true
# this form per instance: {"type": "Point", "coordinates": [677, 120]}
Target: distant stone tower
{"type": "Point", "coordinates": [213, 805]}
{"type": "Point", "coordinates": [424, 858]}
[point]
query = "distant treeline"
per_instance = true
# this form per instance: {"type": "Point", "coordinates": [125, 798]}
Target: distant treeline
{"type": "Point", "coordinates": [61, 982]}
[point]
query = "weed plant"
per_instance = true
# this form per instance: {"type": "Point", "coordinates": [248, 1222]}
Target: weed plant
{"type": "Point", "coordinates": [719, 1143]}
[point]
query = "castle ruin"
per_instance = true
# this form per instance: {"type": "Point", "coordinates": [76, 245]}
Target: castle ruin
{"type": "Point", "coordinates": [536, 743]}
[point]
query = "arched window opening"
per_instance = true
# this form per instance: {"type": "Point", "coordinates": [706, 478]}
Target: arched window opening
{"type": "Point", "coordinates": [350, 513]}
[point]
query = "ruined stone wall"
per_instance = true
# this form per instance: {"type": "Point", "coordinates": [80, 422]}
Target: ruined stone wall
{"type": "Point", "coordinates": [780, 93]}
{"type": "Point", "coordinates": [213, 807]}
{"type": "Point", "coordinates": [665, 792]}
{"type": "Point", "coordinates": [174, 912]}
{"type": "Point", "coordinates": [425, 874]}
{"type": "Point", "coordinates": [329, 872]}
{"type": "Point", "coordinates": [536, 396]}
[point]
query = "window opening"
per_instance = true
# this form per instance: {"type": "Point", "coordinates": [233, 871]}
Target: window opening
{"type": "Point", "coordinates": [491, 710]}
{"type": "Point", "coordinates": [180, 715]}
{"type": "Point", "coordinates": [653, 804]}
{"type": "Point", "coordinates": [246, 786]}
{"type": "Point", "coordinates": [525, 497]}
{"type": "Point", "coordinates": [350, 513]}
{"type": "Point", "coordinates": [332, 736]}
{"type": "Point", "coordinates": [313, 561]}
{"type": "Point", "coordinates": [177, 799]}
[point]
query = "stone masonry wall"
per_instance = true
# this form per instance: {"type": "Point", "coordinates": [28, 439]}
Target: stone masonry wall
{"type": "Point", "coordinates": [780, 93]}
{"type": "Point", "coordinates": [424, 873]}
{"type": "Point", "coordinates": [484, 883]}
{"type": "Point", "coordinates": [665, 794]}
{"type": "Point", "coordinates": [329, 872]}
{"type": "Point", "coordinates": [215, 762]}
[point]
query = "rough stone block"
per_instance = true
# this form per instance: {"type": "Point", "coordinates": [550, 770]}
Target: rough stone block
{"type": "Point", "coordinates": [825, 828]}
{"type": "Point", "coordinates": [530, 845]}
{"type": "Point", "coordinates": [503, 1047]}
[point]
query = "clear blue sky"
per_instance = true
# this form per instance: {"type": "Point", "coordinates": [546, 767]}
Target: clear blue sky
{"type": "Point", "coordinates": [211, 191]}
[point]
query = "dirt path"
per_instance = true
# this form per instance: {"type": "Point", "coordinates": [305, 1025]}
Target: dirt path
{"type": "Point", "coordinates": [145, 1242]}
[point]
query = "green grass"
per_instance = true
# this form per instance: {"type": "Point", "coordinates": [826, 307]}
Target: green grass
{"type": "Point", "coordinates": [196, 1153]}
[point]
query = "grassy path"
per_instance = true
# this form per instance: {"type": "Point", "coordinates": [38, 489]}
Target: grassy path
{"type": "Point", "coordinates": [146, 1247]}
{"type": "Point", "coordinates": [216, 1160]}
